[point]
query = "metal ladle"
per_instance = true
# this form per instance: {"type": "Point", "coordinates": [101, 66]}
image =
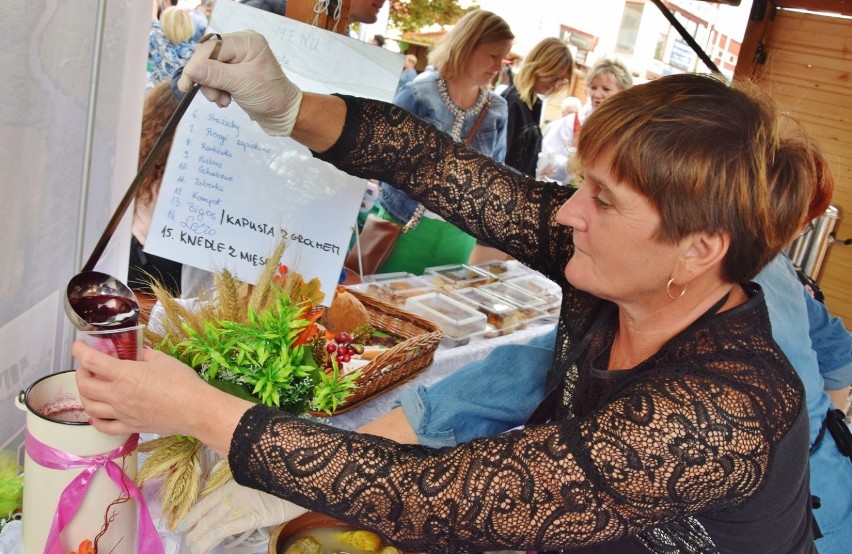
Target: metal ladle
{"type": "Point", "coordinates": [95, 300]}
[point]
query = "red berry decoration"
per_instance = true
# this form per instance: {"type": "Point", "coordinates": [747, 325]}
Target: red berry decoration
{"type": "Point", "coordinates": [331, 348]}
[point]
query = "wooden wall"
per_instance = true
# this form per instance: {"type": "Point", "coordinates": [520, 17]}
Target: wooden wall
{"type": "Point", "coordinates": [807, 69]}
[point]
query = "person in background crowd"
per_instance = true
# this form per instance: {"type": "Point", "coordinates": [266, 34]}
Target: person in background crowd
{"type": "Point", "coordinates": [273, 6]}
{"type": "Point", "coordinates": [605, 78]}
{"type": "Point", "coordinates": [408, 72]}
{"type": "Point", "coordinates": [201, 16]}
{"type": "Point", "coordinates": [159, 6]}
{"type": "Point", "coordinates": [558, 142]}
{"type": "Point", "coordinates": [159, 106]}
{"type": "Point", "coordinates": [378, 40]}
{"type": "Point", "coordinates": [170, 45]}
{"type": "Point", "coordinates": [546, 70]}
{"type": "Point", "coordinates": [671, 418]}
{"type": "Point", "coordinates": [506, 77]}
{"type": "Point", "coordinates": [451, 95]}
{"type": "Point", "coordinates": [360, 11]}
{"type": "Point", "coordinates": [365, 11]}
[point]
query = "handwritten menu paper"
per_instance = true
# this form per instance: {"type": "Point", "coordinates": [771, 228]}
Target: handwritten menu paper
{"type": "Point", "coordinates": [230, 191]}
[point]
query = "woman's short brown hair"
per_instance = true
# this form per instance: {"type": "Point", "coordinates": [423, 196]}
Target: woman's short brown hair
{"type": "Point", "coordinates": [451, 55]}
{"type": "Point", "coordinates": [710, 158]}
{"type": "Point", "coordinates": [549, 59]}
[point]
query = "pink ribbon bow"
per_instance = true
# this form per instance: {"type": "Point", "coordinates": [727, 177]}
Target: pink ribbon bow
{"type": "Point", "coordinates": [72, 496]}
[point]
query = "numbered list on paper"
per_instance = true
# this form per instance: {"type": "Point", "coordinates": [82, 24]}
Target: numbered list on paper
{"type": "Point", "coordinates": [230, 192]}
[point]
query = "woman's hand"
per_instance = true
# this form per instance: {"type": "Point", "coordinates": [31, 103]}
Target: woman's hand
{"type": "Point", "coordinates": [155, 395]}
{"type": "Point", "coordinates": [246, 70]}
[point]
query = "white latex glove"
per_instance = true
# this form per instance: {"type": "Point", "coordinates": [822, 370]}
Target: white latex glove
{"type": "Point", "coordinates": [247, 71]}
{"type": "Point", "coordinates": [230, 510]}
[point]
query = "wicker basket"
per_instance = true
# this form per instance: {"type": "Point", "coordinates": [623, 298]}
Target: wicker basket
{"type": "Point", "coordinates": [399, 364]}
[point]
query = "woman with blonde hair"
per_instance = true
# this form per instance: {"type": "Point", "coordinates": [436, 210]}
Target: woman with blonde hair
{"type": "Point", "coordinates": [607, 77]}
{"type": "Point", "coordinates": [170, 44]}
{"type": "Point", "coordinates": [452, 95]}
{"type": "Point", "coordinates": [547, 69]}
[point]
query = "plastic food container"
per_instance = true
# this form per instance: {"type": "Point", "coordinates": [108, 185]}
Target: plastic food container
{"type": "Point", "coordinates": [456, 276]}
{"type": "Point", "coordinates": [399, 290]}
{"type": "Point", "coordinates": [373, 290]}
{"type": "Point", "coordinates": [395, 291]}
{"type": "Point", "coordinates": [458, 320]}
{"type": "Point", "coordinates": [379, 277]}
{"type": "Point", "coordinates": [500, 270]}
{"type": "Point", "coordinates": [500, 314]}
{"type": "Point", "coordinates": [540, 287]}
{"type": "Point", "coordinates": [513, 294]}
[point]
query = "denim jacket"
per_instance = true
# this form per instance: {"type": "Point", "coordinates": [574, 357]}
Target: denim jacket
{"type": "Point", "coordinates": [422, 98]}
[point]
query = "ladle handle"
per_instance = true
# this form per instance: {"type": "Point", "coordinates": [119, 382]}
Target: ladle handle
{"type": "Point", "coordinates": [152, 157]}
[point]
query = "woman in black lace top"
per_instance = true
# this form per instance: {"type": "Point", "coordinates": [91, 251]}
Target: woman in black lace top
{"type": "Point", "coordinates": [674, 423]}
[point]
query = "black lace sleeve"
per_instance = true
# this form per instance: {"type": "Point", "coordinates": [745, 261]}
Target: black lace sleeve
{"type": "Point", "coordinates": [661, 449]}
{"type": "Point", "coordinates": [485, 198]}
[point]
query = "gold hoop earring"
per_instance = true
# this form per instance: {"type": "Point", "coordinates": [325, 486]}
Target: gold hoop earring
{"type": "Point", "coordinates": [669, 290]}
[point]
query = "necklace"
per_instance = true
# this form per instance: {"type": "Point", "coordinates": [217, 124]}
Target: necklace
{"type": "Point", "coordinates": [459, 115]}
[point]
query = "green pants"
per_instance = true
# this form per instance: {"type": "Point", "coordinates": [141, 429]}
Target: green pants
{"type": "Point", "coordinates": [431, 243]}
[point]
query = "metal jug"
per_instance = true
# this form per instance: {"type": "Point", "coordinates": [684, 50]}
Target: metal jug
{"type": "Point", "coordinates": [809, 250]}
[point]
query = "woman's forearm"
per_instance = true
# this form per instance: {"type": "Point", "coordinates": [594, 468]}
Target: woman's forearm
{"type": "Point", "coordinates": [393, 425]}
{"type": "Point", "coordinates": [320, 121]}
{"type": "Point", "coordinates": [216, 418]}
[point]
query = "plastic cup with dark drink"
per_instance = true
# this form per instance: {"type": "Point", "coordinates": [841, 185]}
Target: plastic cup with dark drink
{"type": "Point", "coordinates": [123, 343]}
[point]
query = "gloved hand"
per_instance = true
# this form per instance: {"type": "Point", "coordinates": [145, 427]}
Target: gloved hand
{"type": "Point", "coordinates": [247, 71]}
{"type": "Point", "coordinates": [232, 509]}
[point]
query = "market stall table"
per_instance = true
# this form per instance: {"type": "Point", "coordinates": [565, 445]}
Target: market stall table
{"type": "Point", "coordinates": [446, 361]}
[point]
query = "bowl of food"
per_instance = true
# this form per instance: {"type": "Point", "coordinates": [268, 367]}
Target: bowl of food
{"type": "Point", "coordinates": [315, 533]}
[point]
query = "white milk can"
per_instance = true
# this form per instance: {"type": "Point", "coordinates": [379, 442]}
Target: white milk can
{"type": "Point", "coordinates": [78, 481]}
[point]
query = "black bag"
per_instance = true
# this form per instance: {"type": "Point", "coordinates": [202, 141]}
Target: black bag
{"type": "Point", "coordinates": [835, 423]}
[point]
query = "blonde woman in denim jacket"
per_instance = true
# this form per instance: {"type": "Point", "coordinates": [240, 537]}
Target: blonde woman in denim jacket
{"type": "Point", "coordinates": [450, 95]}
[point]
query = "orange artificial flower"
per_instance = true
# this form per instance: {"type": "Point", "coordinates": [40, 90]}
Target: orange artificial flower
{"type": "Point", "coordinates": [311, 331]}
{"type": "Point", "coordinates": [86, 547]}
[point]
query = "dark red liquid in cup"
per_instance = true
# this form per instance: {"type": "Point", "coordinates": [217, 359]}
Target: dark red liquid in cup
{"type": "Point", "coordinates": [100, 308]}
{"type": "Point", "coordinates": [105, 307]}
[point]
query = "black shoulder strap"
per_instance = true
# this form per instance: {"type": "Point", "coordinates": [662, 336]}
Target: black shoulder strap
{"type": "Point", "coordinates": [835, 422]}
